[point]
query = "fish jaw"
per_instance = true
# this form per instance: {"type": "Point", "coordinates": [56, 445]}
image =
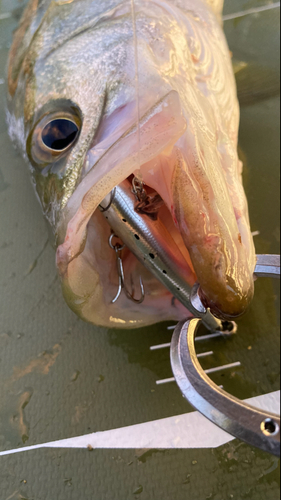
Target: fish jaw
{"type": "Point", "coordinates": [184, 51]}
{"type": "Point", "coordinates": [211, 211]}
{"type": "Point", "coordinates": [86, 263]}
{"type": "Point", "coordinates": [213, 236]}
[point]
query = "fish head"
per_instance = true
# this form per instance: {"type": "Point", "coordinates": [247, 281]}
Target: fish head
{"type": "Point", "coordinates": [63, 79]}
{"type": "Point", "coordinates": [86, 119]}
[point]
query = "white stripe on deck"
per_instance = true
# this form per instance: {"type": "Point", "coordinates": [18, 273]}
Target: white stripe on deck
{"type": "Point", "coordinates": [208, 371]}
{"type": "Point", "coordinates": [190, 430]}
{"type": "Point", "coordinates": [254, 10]}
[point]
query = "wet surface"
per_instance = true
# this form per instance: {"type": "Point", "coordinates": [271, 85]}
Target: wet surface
{"type": "Point", "coordinates": [60, 377]}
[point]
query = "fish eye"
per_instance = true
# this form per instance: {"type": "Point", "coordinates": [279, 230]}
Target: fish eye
{"type": "Point", "coordinates": [59, 134]}
{"type": "Point", "coordinates": [53, 137]}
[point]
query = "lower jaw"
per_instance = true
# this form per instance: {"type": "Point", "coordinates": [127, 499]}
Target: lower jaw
{"type": "Point", "coordinates": [90, 293]}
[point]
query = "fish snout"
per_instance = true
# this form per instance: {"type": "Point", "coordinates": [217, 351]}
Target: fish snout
{"type": "Point", "coordinates": [220, 245]}
{"type": "Point", "coordinates": [228, 299]}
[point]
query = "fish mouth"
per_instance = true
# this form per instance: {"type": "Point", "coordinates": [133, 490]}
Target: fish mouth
{"type": "Point", "coordinates": [196, 174]}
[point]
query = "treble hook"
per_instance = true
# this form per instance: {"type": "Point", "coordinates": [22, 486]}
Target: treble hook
{"type": "Point", "coordinates": [121, 286]}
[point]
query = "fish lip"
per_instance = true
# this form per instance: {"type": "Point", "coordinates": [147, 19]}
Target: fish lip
{"type": "Point", "coordinates": [216, 311]}
{"type": "Point", "coordinates": [211, 209]}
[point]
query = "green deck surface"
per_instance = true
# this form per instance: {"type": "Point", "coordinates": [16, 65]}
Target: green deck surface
{"type": "Point", "coordinates": [60, 377]}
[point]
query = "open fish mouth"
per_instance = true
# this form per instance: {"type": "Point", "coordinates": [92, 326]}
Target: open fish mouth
{"type": "Point", "coordinates": [195, 171]}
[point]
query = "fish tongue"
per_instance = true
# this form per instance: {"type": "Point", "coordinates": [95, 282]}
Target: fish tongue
{"type": "Point", "coordinates": [205, 217]}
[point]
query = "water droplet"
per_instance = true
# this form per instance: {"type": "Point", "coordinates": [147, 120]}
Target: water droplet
{"type": "Point", "coordinates": [138, 490]}
{"type": "Point", "coordinates": [75, 376]}
{"type": "Point", "coordinates": [187, 479]}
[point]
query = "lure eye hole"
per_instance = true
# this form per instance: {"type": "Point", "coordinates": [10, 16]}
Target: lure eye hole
{"type": "Point", "coordinates": [59, 134]}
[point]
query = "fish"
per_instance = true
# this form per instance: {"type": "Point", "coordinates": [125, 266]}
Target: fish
{"type": "Point", "coordinates": [102, 93]}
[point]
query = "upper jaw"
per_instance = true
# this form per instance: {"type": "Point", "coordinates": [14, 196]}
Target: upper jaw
{"type": "Point", "coordinates": [160, 128]}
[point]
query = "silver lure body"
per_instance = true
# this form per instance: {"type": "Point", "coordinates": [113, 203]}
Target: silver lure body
{"type": "Point", "coordinates": [153, 246]}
